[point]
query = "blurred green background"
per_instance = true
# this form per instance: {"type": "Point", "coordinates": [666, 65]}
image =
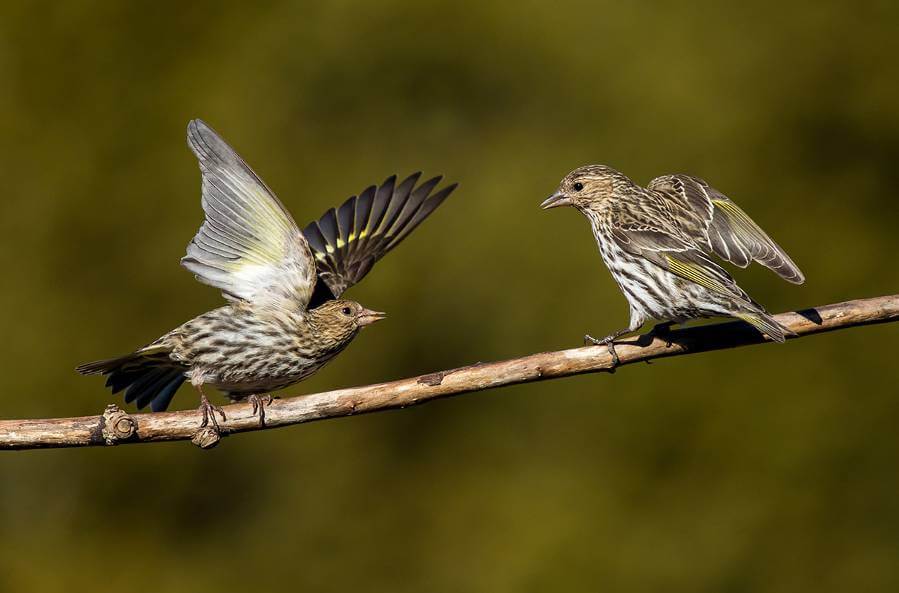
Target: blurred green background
{"type": "Point", "coordinates": [771, 468]}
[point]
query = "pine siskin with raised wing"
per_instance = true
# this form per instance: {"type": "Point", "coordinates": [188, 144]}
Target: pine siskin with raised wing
{"type": "Point", "coordinates": [285, 317]}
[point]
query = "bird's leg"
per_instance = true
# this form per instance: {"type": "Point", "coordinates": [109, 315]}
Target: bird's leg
{"type": "Point", "coordinates": [259, 402]}
{"type": "Point", "coordinates": [608, 341]}
{"type": "Point", "coordinates": [208, 410]}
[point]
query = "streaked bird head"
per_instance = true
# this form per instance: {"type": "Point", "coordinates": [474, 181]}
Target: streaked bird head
{"type": "Point", "coordinates": [586, 187]}
{"type": "Point", "coordinates": [339, 320]}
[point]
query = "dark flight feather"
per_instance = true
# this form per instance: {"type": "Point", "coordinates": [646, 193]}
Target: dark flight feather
{"type": "Point", "coordinates": [347, 241]}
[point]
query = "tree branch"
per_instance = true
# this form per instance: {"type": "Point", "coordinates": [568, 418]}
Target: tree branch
{"type": "Point", "coordinates": [115, 426]}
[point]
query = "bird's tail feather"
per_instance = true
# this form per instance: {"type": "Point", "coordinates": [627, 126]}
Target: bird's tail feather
{"type": "Point", "coordinates": [767, 325]}
{"type": "Point", "coordinates": [148, 378]}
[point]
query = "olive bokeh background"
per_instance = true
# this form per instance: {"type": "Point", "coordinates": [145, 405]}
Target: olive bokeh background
{"type": "Point", "coordinates": [771, 468]}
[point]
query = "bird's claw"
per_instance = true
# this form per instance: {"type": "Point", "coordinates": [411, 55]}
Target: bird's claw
{"type": "Point", "coordinates": [609, 342]}
{"type": "Point", "coordinates": [259, 402]}
{"type": "Point", "coordinates": [615, 360]}
{"type": "Point", "coordinates": [209, 410]}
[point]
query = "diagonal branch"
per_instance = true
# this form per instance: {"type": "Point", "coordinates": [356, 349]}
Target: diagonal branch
{"type": "Point", "coordinates": [115, 426]}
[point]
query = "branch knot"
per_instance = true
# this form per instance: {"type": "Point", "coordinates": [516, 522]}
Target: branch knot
{"type": "Point", "coordinates": [206, 438]}
{"type": "Point", "coordinates": [117, 425]}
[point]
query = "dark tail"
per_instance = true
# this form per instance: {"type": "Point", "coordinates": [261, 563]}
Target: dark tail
{"type": "Point", "coordinates": [149, 378]}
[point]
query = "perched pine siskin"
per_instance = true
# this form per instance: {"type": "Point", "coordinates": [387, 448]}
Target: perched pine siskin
{"type": "Point", "coordinates": [657, 242]}
{"type": "Point", "coordinates": [284, 319]}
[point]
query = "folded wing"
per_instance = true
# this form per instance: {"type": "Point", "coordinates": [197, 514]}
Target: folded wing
{"type": "Point", "coordinates": [248, 245]}
{"type": "Point", "coordinates": [677, 255]}
{"type": "Point", "coordinates": [719, 225]}
{"type": "Point", "coordinates": [348, 240]}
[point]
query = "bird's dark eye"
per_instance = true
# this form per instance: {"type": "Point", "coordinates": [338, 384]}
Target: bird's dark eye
{"type": "Point", "coordinates": [346, 311]}
{"type": "Point", "coordinates": [578, 186]}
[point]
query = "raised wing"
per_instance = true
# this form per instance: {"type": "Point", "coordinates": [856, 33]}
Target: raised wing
{"type": "Point", "coordinates": [347, 241]}
{"type": "Point", "coordinates": [248, 245]}
{"type": "Point", "coordinates": [718, 224]}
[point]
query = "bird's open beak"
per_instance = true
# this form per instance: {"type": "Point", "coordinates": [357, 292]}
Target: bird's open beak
{"type": "Point", "coordinates": [367, 317]}
{"type": "Point", "coordinates": [556, 200]}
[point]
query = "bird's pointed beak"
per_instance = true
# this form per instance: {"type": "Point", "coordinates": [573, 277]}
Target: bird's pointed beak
{"type": "Point", "coordinates": [556, 200]}
{"type": "Point", "coordinates": [367, 317]}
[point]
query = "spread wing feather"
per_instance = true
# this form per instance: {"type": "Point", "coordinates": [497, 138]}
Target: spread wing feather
{"type": "Point", "coordinates": [720, 226]}
{"type": "Point", "coordinates": [347, 241]}
{"type": "Point", "coordinates": [248, 245]}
